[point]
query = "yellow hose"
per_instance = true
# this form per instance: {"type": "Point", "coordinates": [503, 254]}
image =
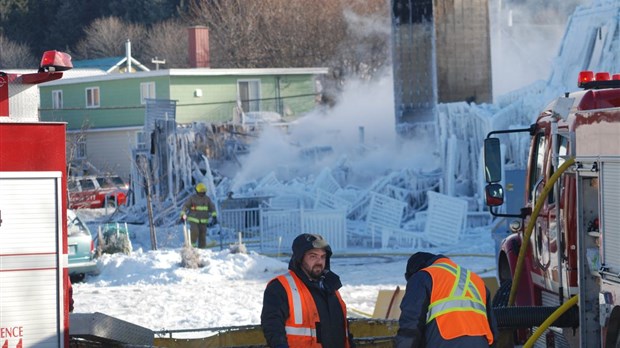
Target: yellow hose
{"type": "Point", "coordinates": [552, 318]}
{"type": "Point", "coordinates": [530, 227]}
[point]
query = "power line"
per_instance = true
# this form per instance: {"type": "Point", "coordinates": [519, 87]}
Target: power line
{"type": "Point", "coordinates": [181, 105]}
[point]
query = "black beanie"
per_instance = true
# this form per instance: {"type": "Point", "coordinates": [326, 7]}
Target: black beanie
{"type": "Point", "coordinates": [419, 261]}
{"type": "Point", "coordinates": [305, 242]}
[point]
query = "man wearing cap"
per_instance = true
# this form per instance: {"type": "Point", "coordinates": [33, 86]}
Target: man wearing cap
{"type": "Point", "coordinates": [303, 308]}
{"type": "Point", "coordinates": [444, 305]}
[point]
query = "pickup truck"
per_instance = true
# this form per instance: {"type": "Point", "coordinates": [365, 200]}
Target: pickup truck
{"type": "Point", "coordinates": [96, 191]}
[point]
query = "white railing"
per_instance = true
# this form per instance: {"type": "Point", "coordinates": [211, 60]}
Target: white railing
{"type": "Point", "coordinates": [244, 220]}
{"type": "Point", "coordinates": [279, 227]}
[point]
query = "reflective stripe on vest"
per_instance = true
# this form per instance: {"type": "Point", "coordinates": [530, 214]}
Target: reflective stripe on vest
{"type": "Point", "coordinates": [457, 301]}
{"type": "Point", "coordinates": [300, 325]}
{"type": "Point", "coordinates": [296, 307]}
{"type": "Point", "coordinates": [200, 207]}
{"type": "Point", "coordinates": [300, 331]}
{"type": "Point", "coordinates": [203, 220]}
{"type": "Point", "coordinates": [197, 220]}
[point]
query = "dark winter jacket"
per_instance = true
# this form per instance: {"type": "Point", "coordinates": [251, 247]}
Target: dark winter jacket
{"type": "Point", "coordinates": [413, 330]}
{"type": "Point", "coordinates": [330, 330]}
{"type": "Point", "coordinates": [199, 209]}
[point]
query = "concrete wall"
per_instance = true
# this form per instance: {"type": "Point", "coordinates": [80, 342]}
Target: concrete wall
{"type": "Point", "coordinates": [414, 67]}
{"type": "Point", "coordinates": [463, 48]}
{"type": "Point", "coordinates": [441, 53]}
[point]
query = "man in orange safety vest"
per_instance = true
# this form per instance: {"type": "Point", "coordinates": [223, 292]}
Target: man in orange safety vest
{"type": "Point", "coordinates": [444, 305]}
{"type": "Point", "coordinates": [303, 308]}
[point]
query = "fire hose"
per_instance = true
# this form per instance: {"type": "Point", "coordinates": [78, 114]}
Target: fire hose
{"type": "Point", "coordinates": [552, 318]}
{"type": "Point", "coordinates": [530, 227]}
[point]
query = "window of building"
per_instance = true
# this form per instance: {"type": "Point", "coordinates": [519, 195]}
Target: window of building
{"type": "Point", "coordinates": [57, 99]}
{"type": "Point", "coordinates": [147, 91]}
{"type": "Point", "coordinates": [249, 95]}
{"type": "Point", "coordinates": [92, 97]}
{"type": "Point", "coordinates": [142, 141]}
{"type": "Point", "coordinates": [80, 149]}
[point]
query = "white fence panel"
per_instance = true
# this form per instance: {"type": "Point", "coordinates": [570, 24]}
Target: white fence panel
{"type": "Point", "coordinates": [385, 211]}
{"type": "Point", "coordinates": [445, 220]}
{"type": "Point", "coordinates": [245, 220]}
{"type": "Point", "coordinates": [326, 200]}
{"type": "Point", "coordinates": [331, 224]}
{"type": "Point", "coordinates": [280, 227]}
{"type": "Point", "coordinates": [326, 182]}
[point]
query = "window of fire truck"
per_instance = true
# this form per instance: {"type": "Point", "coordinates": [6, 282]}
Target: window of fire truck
{"type": "Point", "coordinates": [590, 221]}
{"type": "Point", "coordinates": [537, 165]}
{"type": "Point", "coordinates": [562, 151]}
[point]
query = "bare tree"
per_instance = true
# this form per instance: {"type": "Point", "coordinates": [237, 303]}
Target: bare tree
{"type": "Point", "coordinates": [15, 56]}
{"type": "Point", "coordinates": [167, 40]}
{"type": "Point", "coordinates": [144, 168]}
{"type": "Point", "coordinates": [106, 37]}
{"type": "Point", "coordinates": [231, 24]}
{"type": "Point", "coordinates": [302, 33]}
{"type": "Point", "coordinates": [75, 162]}
{"type": "Point", "coordinates": [270, 33]}
{"type": "Point", "coordinates": [366, 49]}
{"type": "Point", "coordinates": [352, 37]}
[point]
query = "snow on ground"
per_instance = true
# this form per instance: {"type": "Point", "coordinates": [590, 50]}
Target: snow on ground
{"type": "Point", "coordinates": [151, 289]}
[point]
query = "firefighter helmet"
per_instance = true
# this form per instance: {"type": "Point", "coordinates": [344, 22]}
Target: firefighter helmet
{"type": "Point", "coordinates": [201, 188]}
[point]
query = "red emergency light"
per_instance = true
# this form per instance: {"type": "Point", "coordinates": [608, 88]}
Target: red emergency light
{"type": "Point", "coordinates": [602, 76]}
{"type": "Point", "coordinates": [584, 77]}
{"type": "Point", "coordinates": [52, 65]}
{"type": "Point", "coordinates": [590, 80]}
{"type": "Point", "coordinates": [55, 61]}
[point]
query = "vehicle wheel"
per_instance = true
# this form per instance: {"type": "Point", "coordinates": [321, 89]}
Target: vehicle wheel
{"type": "Point", "coordinates": [76, 278]}
{"type": "Point", "coordinates": [503, 294]}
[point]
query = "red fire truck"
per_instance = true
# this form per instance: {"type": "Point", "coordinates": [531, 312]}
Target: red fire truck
{"type": "Point", "coordinates": [34, 282]}
{"type": "Point", "coordinates": [565, 245]}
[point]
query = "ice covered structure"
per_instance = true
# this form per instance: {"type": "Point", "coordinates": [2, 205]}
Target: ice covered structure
{"type": "Point", "coordinates": [378, 205]}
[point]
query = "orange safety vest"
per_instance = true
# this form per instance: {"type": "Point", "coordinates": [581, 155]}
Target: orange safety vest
{"type": "Point", "coordinates": [458, 301]}
{"type": "Point", "coordinates": [303, 314]}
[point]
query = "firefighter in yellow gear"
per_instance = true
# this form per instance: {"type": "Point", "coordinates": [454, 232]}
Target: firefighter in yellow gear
{"type": "Point", "coordinates": [200, 212]}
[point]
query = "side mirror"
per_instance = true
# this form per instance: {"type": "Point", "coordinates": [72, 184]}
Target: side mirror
{"type": "Point", "coordinates": [492, 160]}
{"type": "Point", "coordinates": [494, 195]}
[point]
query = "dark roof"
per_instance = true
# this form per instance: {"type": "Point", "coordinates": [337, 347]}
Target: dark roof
{"type": "Point", "coordinates": [100, 63]}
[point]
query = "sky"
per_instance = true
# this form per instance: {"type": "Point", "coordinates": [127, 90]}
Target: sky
{"type": "Point", "coordinates": [524, 41]}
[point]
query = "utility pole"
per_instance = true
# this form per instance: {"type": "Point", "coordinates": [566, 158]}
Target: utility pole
{"type": "Point", "coordinates": [157, 62]}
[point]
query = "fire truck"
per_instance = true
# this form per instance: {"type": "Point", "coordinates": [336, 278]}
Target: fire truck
{"type": "Point", "coordinates": [34, 281]}
{"type": "Point", "coordinates": [562, 257]}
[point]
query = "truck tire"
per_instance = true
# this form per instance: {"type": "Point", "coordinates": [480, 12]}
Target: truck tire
{"type": "Point", "coordinates": [502, 295]}
{"type": "Point", "coordinates": [77, 278]}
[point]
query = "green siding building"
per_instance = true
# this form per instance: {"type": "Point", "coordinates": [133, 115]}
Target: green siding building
{"type": "Point", "coordinates": [108, 110]}
{"type": "Point", "coordinates": [201, 95]}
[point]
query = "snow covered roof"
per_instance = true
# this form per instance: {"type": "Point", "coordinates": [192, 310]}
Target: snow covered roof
{"type": "Point", "coordinates": [201, 72]}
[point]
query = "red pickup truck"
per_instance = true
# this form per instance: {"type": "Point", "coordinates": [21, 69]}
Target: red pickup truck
{"type": "Point", "coordinates": [96, 191]}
